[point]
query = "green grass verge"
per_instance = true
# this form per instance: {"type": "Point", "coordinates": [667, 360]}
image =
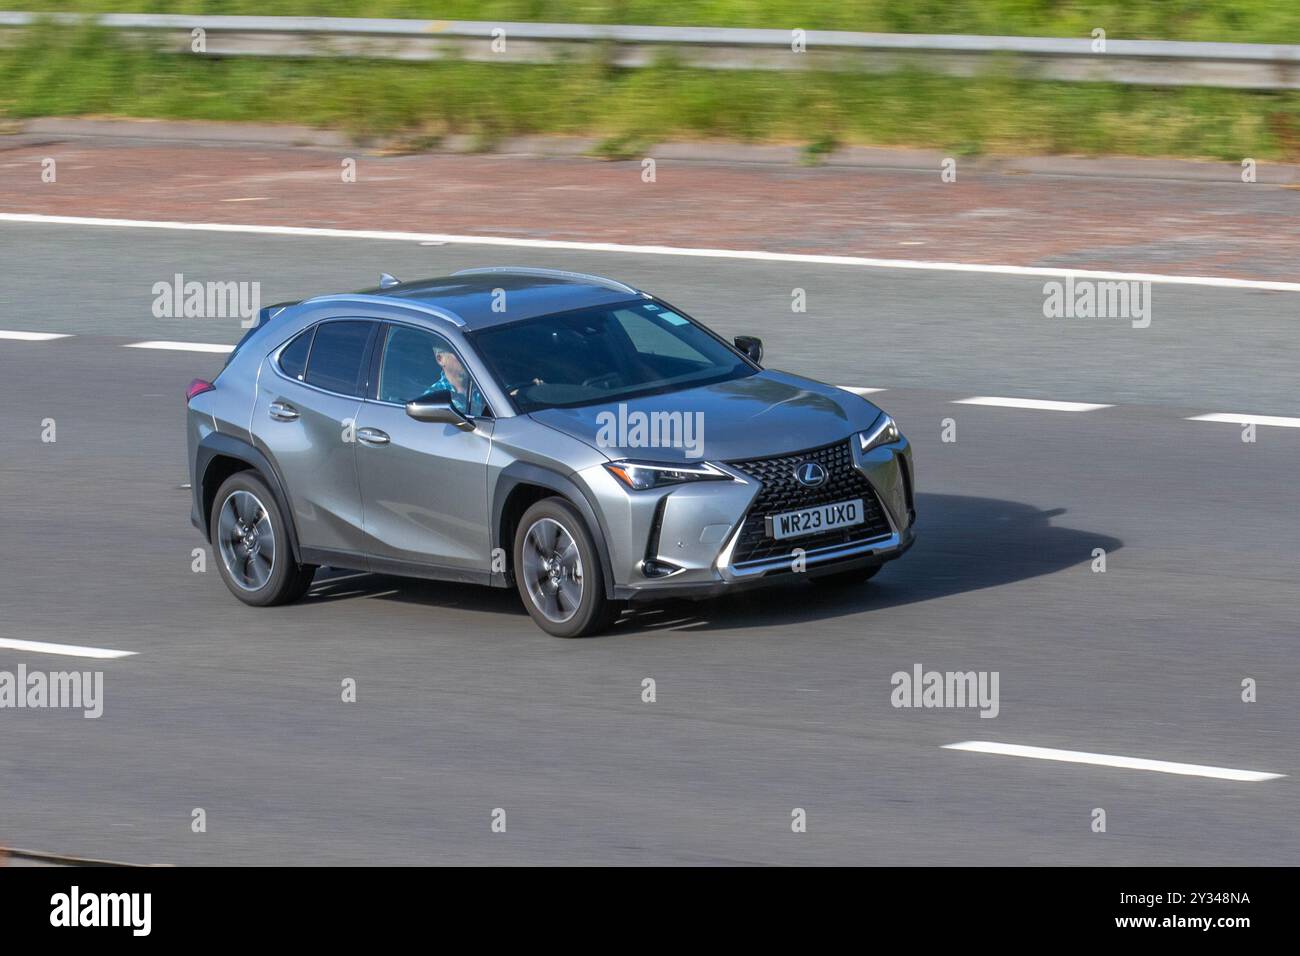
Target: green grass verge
{"type": "Point", "coordinates": [1247, 21]}
{"type": "Point", "coordinates": [91, 71]}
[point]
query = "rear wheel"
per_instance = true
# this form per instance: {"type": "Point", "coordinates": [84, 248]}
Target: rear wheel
{"type": "Point", "coordinates": [558, 573]}
{"type": "Point", "coordinates": [251, 540]}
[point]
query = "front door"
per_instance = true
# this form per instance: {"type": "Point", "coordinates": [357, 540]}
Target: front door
{"type": "Point", "coordinates": [424, 485]}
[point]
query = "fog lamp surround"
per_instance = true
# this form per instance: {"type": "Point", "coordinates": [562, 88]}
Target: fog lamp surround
{"type": "Point", "coordinates": [883, 432]}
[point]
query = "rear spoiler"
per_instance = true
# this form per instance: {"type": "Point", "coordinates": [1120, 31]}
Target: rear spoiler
{"type": "Point", "coordinates": [266, 314]}
{"type": "Point", "coordinates": [264, 317]}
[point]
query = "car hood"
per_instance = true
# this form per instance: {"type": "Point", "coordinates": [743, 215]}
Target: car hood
{"type": "Point", "coordinates": [769, 413]}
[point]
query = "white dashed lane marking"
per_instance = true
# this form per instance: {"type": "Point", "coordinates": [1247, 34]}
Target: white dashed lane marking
{"type": "Point", "coordinates": [1276, 420]}
{"type": "Point", "coordinates": [857, 390]}
{"type": "Point", "coordinates": [1110, 760]}
{"type": "Point", "coordinates": [182, 346]}
{"type": "Point", "coordinates": [1035, 403]}
{"type": "Point", "coordinates": [64, 650]}
{"type": "Point", "coordinates": [33, 336]}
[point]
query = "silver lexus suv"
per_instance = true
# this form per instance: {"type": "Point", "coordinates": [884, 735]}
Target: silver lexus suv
{"type": "Point", "coordinates": [564, 434]}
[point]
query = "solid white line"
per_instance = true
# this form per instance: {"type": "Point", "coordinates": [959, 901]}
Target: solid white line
{"type": "Point", "coordinates": [33, 336]}
{"type": "Point", "coordinates": [1277, 420]}
{"type": "Point", "coordinates": [862, 261]}
{"type": "Point", "coordinates": [1108, 760]}
{"type": "Point", "coordinates": [1037, 403]}
{"type": "Point", "coordinates": [856, 390]}
{"type": "Point", "coordinates": [65, 650]}
{"type": "Point", "coordinates": [181, 346]}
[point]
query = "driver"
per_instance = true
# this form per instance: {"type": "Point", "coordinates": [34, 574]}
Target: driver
{"type": "Point", "coordinates": [465, 396]}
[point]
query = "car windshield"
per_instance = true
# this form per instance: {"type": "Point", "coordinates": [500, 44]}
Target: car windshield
{"type": "Point", "coordinates": [604, 354]}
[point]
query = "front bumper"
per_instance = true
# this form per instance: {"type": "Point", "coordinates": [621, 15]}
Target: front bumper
{"type": "Point", "coordinates": [698, 540]}
{"type": "Point", "coordinates": [837, 558]}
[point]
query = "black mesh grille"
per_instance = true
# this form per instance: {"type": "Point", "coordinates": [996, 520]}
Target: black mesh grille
{"type": "Point", "coordinates": [783, 492]}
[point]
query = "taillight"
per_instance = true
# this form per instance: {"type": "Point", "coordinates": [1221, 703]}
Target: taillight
{"type": "Point", "coordinates": [198, 387]}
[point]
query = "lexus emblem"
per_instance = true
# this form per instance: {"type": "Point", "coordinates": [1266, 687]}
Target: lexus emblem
{"type": "Point", "coordinates": [809, 473]}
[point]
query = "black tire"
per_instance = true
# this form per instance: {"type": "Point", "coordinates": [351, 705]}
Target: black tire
{"type": "Point", "coordinates": [840, 579]}
{"type": "Point", "coordinates": [285, 579]}
{"type": "Point", "coordinates": [591, 612]}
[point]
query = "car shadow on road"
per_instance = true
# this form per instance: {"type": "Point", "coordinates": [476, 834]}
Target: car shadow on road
{"type": "Point", "coordinates": [963, 544]}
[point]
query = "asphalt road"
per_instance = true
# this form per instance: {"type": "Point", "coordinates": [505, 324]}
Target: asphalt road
{"type": "Point", "coordinates": [774, 701]}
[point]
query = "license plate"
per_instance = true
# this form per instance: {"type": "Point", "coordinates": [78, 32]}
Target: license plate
{"type": "Point", "coordinates": [793, 524]}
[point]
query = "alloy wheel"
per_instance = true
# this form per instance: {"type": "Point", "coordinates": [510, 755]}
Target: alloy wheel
{"type": "Point", "coordinates": [246, 540]}
{"type": "Point", "coordinates": [552, 570]}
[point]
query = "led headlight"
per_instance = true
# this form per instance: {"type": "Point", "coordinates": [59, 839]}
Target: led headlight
{"type": "Point", "coordinates": [883, 432]}
{"type": "Point", "coordinates": [640, 475]}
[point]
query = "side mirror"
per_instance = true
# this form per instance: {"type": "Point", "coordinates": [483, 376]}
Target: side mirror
{"type": "Point", "coordinates": [752, 346]}
{"type": "Point", "coordinates": [436, 407]}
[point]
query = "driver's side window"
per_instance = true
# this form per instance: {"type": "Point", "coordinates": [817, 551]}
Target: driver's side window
{"type": "Point", "coordinates": [416, 362]}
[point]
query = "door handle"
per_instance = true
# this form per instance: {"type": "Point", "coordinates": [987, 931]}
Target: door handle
{"type": "Point", "coordinates": [372, 436]}
{"type": "Point", "coordinates": [283, 412]}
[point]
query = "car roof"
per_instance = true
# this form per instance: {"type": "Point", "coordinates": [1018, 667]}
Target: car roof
{"type": "Point", "coordinates": [470, 295]}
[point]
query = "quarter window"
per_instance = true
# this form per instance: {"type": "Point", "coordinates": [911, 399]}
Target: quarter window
{"type": "Point", "coordinates": [293, 357]}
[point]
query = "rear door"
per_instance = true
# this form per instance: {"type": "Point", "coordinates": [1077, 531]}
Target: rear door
{"type": "Point", "coordinates": [309, 392]}
{"type": "Point", "coordinates": [424, 485]}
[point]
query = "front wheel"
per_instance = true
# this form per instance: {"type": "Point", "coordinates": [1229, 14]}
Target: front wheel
{"type": "Point", "coordinates": [558, 572]}
{"type": "Point", "coordinates": [251, 540]}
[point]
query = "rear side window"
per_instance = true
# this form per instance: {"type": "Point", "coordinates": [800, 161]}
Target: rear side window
{"type": "Point", "coordinates": [293, 357]}
{"type": "Point", "coordinates": [338, 353]}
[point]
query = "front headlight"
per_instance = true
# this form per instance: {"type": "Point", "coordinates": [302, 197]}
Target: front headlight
{"type": "Point", "coordinates": [883, 432]}
{"type": "Point", "coordinates": [640, 475]}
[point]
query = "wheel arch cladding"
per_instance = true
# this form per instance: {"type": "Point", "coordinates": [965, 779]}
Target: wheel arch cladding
{"type": "Point", "coordinates": [519, 486]}
{"type": "Point", "coordinates": [220, 456]}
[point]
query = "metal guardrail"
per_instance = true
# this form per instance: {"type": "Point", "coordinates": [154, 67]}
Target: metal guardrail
{"type": "Point", "coordinates": [1148, 62]}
